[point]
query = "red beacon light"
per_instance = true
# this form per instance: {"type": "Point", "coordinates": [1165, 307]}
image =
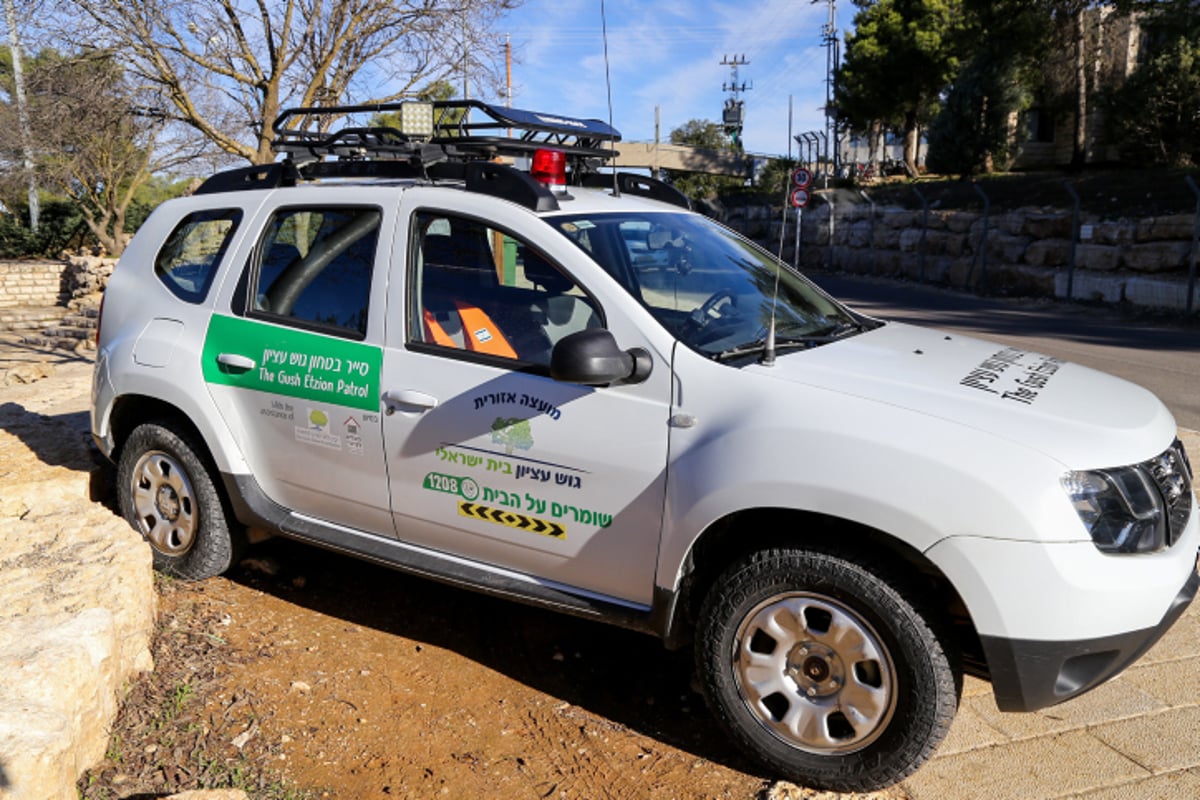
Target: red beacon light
{"type": "Point", "coordinates": [550, 169]}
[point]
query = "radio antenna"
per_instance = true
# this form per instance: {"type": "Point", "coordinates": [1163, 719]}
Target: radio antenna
{"type": "Point", "coordinates": [768, 356]}
{"type": "Point", "coordinates": [608, 85]}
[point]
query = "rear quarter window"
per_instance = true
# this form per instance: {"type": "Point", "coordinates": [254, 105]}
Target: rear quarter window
{"type": "Point", "coordinates": [188, 260]}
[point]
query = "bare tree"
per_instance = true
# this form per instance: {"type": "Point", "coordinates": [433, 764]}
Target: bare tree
{"type": "Point", "coordinates": [228, 67]}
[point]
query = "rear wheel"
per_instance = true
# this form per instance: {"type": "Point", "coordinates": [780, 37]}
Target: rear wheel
{"type": "Point", "coordinates": [167, 494]}
{"type": "Point", "coordinates": [822, 671]}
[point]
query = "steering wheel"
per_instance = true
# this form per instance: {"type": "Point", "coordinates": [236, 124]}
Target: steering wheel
{"type": "Point", "coordinates": [703, 314]}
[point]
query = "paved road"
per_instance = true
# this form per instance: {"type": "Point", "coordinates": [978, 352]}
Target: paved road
{"type": "Point", "coordinates": [1163, 356]}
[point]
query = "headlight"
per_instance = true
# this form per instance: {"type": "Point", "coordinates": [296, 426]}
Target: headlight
{"type": "Point", "coordinates": [1121, 508]}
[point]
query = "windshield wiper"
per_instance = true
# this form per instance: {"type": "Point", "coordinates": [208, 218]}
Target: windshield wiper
{"type": "Point", "coordinates": [781, 343]}
{"type": "Point", "coordinates": [839, 331]}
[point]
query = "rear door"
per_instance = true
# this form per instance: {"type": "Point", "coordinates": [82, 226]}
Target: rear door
{"type": "Point", "coordinates": [292, 357]}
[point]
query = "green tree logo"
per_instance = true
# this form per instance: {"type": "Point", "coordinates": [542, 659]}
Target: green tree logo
{"type": "Point", "coordinates": [512, 433]}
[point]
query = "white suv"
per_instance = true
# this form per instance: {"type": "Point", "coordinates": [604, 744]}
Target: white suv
{"type": "Point", "coordinates": [565, 388]}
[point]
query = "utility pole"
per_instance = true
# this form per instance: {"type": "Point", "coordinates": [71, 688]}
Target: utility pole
{"type": "Point", "coordinates": [655, 172]}
{"type": "Point", "coordinates": [14, 43]}
{"type": "Point", "coordinates": [829, 38]}
{"type": "Point", "coordinates": [734, 115]}
{"type": "Point", "coordinates": [508, 70]}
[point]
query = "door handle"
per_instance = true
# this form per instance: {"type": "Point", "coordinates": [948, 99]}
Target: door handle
{"type": "Point", "coordinates": [236, 362]}
{"type": "Point", "coordinates": [407, 399]}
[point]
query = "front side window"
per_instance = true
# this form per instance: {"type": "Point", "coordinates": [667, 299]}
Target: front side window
{"type": "Point", "coordinates": [314, 266]}
{"type": "Point", "coordinates": [712, 289]}
{"type": "Point", "coordinates": [482, 290]}
{"type": "Point", "coordinates": [188, 259]}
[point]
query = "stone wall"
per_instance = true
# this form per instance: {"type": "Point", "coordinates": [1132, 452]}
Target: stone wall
{"type": "Point", "coordinates": [76, 281]}
{"type": "Point", "coordinates": [32, 283]}
{"type": "Point", "coordinates": [1027, 251]}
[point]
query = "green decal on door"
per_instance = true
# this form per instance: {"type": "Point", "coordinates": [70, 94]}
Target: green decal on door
{"type": "Point", "coordinates": [270, 358]}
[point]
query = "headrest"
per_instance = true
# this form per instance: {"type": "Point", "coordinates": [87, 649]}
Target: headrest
{"type": "Point", "coordinates": [540, 272]}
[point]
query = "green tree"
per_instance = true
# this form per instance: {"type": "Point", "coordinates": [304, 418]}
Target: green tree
{"type": "Point", "coordinates": [972, 131]}
{"type": "Point", "coordinates": [1155, 116]}
{"type": "Point", "coordinates": [92, 145]}
{"type": "Point", "coordinates": [709, 135]}
{"type": "Point", "coordinates": [899, 58]}
{"type": "Point", "coordinates": [775, 178]}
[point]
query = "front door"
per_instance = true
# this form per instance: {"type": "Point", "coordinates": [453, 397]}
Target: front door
{"type": "Point", "coordinates": [488, 457]}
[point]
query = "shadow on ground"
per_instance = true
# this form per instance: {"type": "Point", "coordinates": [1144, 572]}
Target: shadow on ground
{"type": "Point", "coordinates": [625, 677]}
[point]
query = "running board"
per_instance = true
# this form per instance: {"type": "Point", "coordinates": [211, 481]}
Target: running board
{"type": "Point", "coordinates": [253, 508]}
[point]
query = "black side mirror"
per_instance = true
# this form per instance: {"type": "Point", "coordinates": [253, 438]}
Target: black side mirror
{"type": "Point", "coordinates": [591, 357]}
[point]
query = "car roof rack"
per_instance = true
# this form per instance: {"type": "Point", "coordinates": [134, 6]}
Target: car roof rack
{"type": "Point", "coordinates": [457, 134]}
{"type": "Point", "coordinates": [457, 145]}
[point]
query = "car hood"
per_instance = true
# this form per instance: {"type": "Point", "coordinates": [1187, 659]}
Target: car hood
{"type": "Point", "coordinates": [1076, 415]}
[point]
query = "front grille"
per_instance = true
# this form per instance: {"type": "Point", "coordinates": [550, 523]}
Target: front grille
{"type": "Point", "coordinates": [1172, 475]}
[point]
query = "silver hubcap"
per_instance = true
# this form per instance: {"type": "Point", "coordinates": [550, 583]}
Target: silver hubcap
{"type": "Point", "coordinates": [814, 673]}
{"type": "Point", "coordinates": [164, 502]}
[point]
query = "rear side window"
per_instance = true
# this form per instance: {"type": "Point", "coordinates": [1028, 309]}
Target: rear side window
{"type": "Point", "coordinates": [188, 260]}
{"type": "Point", "coordinates": [314, 268]}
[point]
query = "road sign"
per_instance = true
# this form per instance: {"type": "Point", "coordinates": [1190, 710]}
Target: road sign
{"type": "Point", "coordinates": [801, 178]}
{"type": "Point", "coordinates": [799, 198]}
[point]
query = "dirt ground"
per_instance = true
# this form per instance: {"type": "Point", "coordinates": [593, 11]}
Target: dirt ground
{"type": "Point", "coordinates": [304, 674]}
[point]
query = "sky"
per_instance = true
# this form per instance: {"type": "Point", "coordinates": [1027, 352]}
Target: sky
{"type": "Point", "coordinates": [668, 54]}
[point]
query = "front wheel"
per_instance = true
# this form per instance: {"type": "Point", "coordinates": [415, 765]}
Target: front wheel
{"type": "Point", "coordinates": [167, 494]}
{"type": "Point", "coordinates": [824, 672]}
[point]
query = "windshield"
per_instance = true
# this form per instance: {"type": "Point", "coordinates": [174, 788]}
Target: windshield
{"type": "Point", "coordinates": [711, 288]}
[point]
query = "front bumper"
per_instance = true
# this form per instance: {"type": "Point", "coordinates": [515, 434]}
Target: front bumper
{"type": "Point", "coordinates": [1027, 675]}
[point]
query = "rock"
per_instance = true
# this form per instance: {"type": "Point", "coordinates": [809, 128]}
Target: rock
{"type": "Point", "coordinates": [1157, 229]}
{"type": "Point", "coordinates": [1048, 253]}
{"type": "Point", "coordinates": [1090, 286]}
{"type": "Point", "coordinates": [1160, 292]}
{"type": "Point", "coordinates": [1114, 232]}
{"type": "Point", "coordinates": [1156, 256]}
{"type": "Point", "coordinates": [1099, 257]}
{"type": "Point", "coordinates": [27, 373]}
{"type": "Point", "coordinates": [1056, 225]}
{"type": "Point", "coordinates": [77, 597]}
{"type": "Point", "coordinates": [1006, 247]}
{"type": "Point", "coordinates": [961, 221]}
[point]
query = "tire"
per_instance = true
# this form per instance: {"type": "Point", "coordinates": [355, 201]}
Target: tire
{"type": "Point", "coordinates": [821, 671]}
{"type": "Point", "coordinates": [167, 493]}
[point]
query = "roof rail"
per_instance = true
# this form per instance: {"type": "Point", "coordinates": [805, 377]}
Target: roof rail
{"type": "Point", "coordinates": [639, 185]}
{"type": "Point", "coordinates": [258, 176]}
{"type": "Point", "coordinates": [457, 135]}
